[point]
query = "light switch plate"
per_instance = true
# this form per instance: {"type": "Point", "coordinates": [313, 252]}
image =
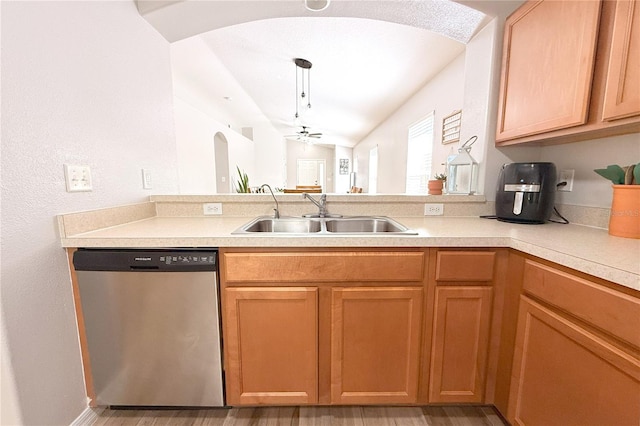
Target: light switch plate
{"type": "Point", "coordinates": [147, 183]}
{"type": "Point", "coordinates": [77, 178]}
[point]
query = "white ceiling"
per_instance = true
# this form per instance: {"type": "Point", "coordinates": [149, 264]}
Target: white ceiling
{"type": "Point", "coordinates": [363, 68]}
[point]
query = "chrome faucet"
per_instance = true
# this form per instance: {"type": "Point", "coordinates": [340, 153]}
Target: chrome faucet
{"type": "Point", "coordinates": [322, 205]}
{"type": "Point", "coordinates": [276, 213]}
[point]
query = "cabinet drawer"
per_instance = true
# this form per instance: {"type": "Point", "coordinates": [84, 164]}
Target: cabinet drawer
{"type": "Point", "coordinates": [465, 266]}
{"type": "Point", "coordinates": [614, 312]}
{"type": "Point", "coordinates": [334, 267]}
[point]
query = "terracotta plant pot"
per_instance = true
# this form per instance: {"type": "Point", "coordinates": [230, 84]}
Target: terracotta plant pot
{"type": "Point", "coordinates": [435, 187]}
{"type": "Point", "coordinates": [625, 211]}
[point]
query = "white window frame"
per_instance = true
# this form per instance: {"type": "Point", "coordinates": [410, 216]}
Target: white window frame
{"type": "Point", "coordinates": [420, 154]}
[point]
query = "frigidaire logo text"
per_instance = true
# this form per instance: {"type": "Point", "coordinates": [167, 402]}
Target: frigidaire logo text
{"type": "Point", "coordinates": [143, 259]}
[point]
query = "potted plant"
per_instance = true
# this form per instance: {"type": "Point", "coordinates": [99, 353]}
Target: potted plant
{"type": "Point", "coordinates": [242, 186]}
{"type": "Point", "coordinates": [624, 220]}
{"type": "Point", "coordinates": [435, 185]}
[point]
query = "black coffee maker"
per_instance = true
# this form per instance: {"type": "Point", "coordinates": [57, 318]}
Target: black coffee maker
{"type": "Point", "coordinates": [526, 192]}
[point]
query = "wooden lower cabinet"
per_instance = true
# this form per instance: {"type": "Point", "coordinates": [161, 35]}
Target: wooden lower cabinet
{"type": "Point", "coordinates": [564, 374]}
{"type": "Point", "coordinates": [443, 331]}
{"type": "Point", "coordinates": [460, 342]}
{"type": "Point", "coordinates": [321, 326]}
{"type": "Point", "coordinates": [271, 340]}
{"type": "Point", "coordinates": [375, 345]}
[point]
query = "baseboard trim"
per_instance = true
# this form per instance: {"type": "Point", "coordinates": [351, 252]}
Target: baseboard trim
{"type": "Point", "coordinates": [87, 417]}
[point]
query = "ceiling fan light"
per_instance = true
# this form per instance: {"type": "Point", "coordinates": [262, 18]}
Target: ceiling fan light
{"type": "Point", "coordinates": [316, 5]}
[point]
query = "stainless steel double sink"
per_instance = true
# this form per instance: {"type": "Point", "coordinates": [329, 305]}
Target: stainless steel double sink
{"type": "Point", "coordinates": [368, 225]}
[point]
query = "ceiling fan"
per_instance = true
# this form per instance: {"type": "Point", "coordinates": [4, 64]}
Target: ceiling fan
{"type": "Point", "coordinates": [304, 135]}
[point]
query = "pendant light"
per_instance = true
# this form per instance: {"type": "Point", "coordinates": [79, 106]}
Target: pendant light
{"type": "Point", "coordinates": [303, 90]}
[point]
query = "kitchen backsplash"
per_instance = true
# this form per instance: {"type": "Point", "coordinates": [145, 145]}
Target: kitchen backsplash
{"type": "Point", "coordinates": [241, 205]}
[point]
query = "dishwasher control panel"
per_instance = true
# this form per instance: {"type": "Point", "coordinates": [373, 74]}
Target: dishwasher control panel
{"type": "Point", "coordinates": [145, 260]}
{"type": "Point", "coordinates": [202, 259]}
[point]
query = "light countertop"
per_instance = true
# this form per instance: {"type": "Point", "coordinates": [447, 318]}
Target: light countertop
{"type": "Point", "coordinates": [589, 250]}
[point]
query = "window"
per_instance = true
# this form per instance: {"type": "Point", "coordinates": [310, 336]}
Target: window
{"type": "Point", "coordinates": [419, 149]}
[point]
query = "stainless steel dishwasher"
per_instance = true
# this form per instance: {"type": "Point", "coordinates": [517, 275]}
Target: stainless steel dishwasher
{"type": "Point", "coordinates": [152, 326]}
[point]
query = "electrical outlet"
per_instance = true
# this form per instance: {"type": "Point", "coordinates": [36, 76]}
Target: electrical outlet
{"type": "Point", "coordinates": [147, 183]}
{"type": "Point", "coordinates": [566, 176]}
{"type": "Point", "coordinates": [433, 209]}
{"type": "Point", "coordinates": [212, 208]}
{"type": "Point", "coordinates": [77, 178]}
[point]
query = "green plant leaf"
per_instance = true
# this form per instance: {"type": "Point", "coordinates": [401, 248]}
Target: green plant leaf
{"type": "Point", "coordinates": [243, 182]}
{"type": "Point", "coordinates": [613, 172]}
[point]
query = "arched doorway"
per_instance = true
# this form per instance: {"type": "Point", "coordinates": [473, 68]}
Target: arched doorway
{"type": "Point", "coordinates": [221, 155]}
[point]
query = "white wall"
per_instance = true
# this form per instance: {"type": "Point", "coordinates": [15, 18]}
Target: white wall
{"type": "Point", "coordinates": [82, 83]}
{"type": "Point", "coordinates": [195, 131]}
{"type": "Point", "coordinates": [199, 77]}
{"type": "Point", "coordinates": [270, 156]}
{"type": "Point", "coordinates": [444, 94]}
{"type": "Point", "coordinates": [589, 188]}
{"type": "Point", "coordinates": [9, 409]}
{"type": "Point", "coordinates": [263, 158]}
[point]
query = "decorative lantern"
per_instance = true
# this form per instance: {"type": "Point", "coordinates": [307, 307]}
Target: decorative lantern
{"type": "Point", "coordinates": [462, 170]}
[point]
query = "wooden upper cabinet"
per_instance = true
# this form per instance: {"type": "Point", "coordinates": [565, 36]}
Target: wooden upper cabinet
{"type": "Point", "coordinates": [548, 59]}
{"type": "Point", "coordinates": [622, 93]}
{"type": "Point", "coordinates": [570, 72]}
{"type": "Point", "coordinates": [375, 345]}
{"type": "Point", "coordinates": [271, 344]}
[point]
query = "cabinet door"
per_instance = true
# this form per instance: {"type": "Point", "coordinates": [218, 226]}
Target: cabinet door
{"type": "Point", "coordinates": [271, 342]}
{"type": "Point", "coordinates": [565, 375]}
{"type": "Point", "coordinates": [375, 345]}
{"type": "Point", "coordinates": [622, 92]}
{"type": "Point", "coordinates": [460, 341]}
{"type": "Point", "coordinates": [547, 67]}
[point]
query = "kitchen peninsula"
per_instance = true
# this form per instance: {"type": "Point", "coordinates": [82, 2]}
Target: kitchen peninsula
{"type": "Point", "coordinates": [178, 221]}
{"type": "Point", "coordinates": [469, 305]}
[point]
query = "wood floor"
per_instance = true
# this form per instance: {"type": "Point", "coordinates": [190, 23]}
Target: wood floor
{"type": "Point", "coordinates": [308, 416]}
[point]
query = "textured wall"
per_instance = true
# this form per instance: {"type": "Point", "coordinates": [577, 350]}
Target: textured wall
{"type": "Point", "coordinates": [82, 83]}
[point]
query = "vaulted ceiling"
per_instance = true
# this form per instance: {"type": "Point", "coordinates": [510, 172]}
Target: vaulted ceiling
{"type": "Point", "coordinates": [236, 57]}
